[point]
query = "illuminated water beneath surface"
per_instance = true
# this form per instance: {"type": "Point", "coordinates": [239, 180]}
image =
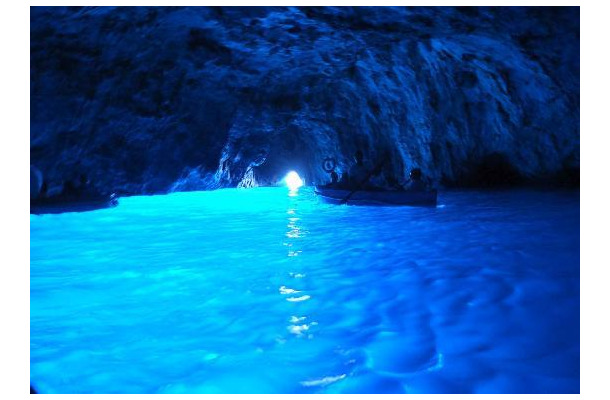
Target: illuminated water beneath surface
{"type": "Point", "coordinates": [246, 291]}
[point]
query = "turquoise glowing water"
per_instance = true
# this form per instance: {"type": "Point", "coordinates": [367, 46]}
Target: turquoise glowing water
{"type": "Point", "coordinates": [246, 291]}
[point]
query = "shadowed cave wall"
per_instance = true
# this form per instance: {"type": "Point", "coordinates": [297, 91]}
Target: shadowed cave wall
{"type": "Point", "coordinates": [156, 99]}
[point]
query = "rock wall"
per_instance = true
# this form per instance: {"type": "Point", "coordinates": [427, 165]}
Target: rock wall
{"type": "Point", "coordinates": [148, 99]}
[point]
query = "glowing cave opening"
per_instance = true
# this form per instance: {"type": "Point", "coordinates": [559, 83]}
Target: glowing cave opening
{"type": "Point", "coordinates": [293, 181]}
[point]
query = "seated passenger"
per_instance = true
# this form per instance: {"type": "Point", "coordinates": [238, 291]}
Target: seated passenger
{"type": "Point", "coordinates": [358, 173]}
{"type": "Point", "coordinates": [385, 178]}
{"type": "Point", "coordinates": [344, 181]}
{"type": "Point", "coordinates": [415, 181]}
{"type": "Point", "coordinates": [334, 178]}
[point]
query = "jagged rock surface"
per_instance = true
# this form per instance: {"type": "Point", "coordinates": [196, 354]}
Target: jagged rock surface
{"type": "Point", "coordinates": [147, 100]}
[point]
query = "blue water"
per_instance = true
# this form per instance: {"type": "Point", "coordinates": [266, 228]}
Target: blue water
{"type": "Point", "coordinates": [256, 291]}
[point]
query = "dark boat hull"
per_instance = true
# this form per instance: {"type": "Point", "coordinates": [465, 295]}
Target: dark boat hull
{"type": "Point", "coordinates": [62, 205]}
{"type": "Point", "coordinates": [378, 197]}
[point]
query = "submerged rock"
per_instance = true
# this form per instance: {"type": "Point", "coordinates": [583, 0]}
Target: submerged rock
{"type": "Point", "coordinates": [137, 97]}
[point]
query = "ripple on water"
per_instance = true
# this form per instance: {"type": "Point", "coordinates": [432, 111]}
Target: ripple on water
{"type": "Point", "coordinates": [397, 353]}
{"type": "Point", "coordinates": [367, 382]}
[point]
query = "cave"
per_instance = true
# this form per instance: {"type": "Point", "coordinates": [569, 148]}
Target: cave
{"type": "Point", "coordinates": [299, 199]}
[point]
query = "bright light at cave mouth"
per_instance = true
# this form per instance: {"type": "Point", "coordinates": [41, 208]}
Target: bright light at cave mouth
{"type": "Point", "coordinates": [293, 181]}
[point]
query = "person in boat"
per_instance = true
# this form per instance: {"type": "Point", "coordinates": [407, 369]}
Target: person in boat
{"type": "Point", "coordinates": [344, 181]}
{"type": "Point", "coordinates": [329, 166]}
{"type": "Point", "coordinates": [358, 172]}
{"type": "Point", "coordinates": [379, 177]}
{"type": "Point", "coordinates": [384, 177]}
{"type": "Point", "coordinates": [334, 178]}
{"type": "Point", "coordinates": [416, 182]}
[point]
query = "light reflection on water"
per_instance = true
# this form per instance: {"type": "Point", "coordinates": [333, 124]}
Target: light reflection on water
{"type": "Point", "coordinates": [264, 291]}
{"type": "Point", "coordinates": [295, 233]}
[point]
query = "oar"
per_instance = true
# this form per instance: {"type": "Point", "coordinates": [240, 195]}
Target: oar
{"type": "Point", "coordinates": [365, 180]}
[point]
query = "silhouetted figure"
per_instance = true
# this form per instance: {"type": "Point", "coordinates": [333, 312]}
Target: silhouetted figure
{"type": "Point", "coordinates": [358, 172]}
{"type": "Point", "coordinates": [344, 181]}
{"type": "Point", "coordinates": [334, 181]}
{"type": "Point", "coordinates": [415, 181]}
{"type": "Point", "coordinates": [32, 390]}
{"type": "Point", "coordinates": [334, 178]}
{"type": "Point", "coordinates": [384, 175]}
{"type": "Point", "coordinates": [391, 182]}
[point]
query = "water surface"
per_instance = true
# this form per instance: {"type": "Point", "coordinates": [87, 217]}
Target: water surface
{"type": "Point", "coordinates": [248, 291]}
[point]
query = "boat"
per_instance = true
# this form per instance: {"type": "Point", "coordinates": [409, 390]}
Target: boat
{"type": "Point", "coordinates": [62, 204]}
{"type": "Point", "coordinates": [379, 197]}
